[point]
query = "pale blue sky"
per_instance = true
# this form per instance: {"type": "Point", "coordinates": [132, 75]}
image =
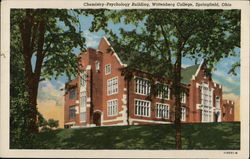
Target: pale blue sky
{"type": "Point", "coordinates": [230, 83]}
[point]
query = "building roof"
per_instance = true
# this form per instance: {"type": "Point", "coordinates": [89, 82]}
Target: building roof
{"type": "Point", "coordinates": [138, 61]}
{"type": "Point", "coordinates": [188, 72]}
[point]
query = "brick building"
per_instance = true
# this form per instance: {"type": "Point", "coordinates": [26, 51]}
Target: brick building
{"type": "Point", "coordinates": [102, 95]}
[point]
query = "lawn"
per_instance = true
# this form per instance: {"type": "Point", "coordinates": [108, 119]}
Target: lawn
{"type": "Point", "coordinates": [207, 136]}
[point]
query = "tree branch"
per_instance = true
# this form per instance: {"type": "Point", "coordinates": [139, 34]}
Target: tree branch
{"type": "Point", "coordinates": [40, 54]}
{"type": "Point", "coordinates": [166, 42]}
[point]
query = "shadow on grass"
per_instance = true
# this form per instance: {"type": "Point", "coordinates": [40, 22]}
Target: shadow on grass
{"type": "Point", "coordinates": [211, 136]}
{"type": "Point", "coordinates": [194, 136]}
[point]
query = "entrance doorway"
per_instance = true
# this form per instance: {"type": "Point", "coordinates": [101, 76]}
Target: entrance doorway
{"type": "Point", "coordinates": [97, 118]}
{"type": "Point", "coordinates": [217, 117]}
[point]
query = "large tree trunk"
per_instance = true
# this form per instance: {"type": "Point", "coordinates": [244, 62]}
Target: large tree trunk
{"type": "Point", "coordinates": [32, 35]}
{"type": "Point", "coordinates": [177, 94]}
{"type": "Point", "coordinates": [32, 90]}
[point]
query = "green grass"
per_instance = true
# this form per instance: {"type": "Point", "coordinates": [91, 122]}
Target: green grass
{"type": "Point", "coordinates": [208, 136]}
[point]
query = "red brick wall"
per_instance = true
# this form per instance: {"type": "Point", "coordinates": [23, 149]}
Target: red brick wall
{"type": "Point", "coordinates": [97, 92]}
{"type": "Point", "coordinates": [227, 111]}
{"type": "Point", "coordinates": [110, 58]}
{"type": "Point", "coordinates": [195, 94]}
{"type": "Point", "coordinates": [69, 102]}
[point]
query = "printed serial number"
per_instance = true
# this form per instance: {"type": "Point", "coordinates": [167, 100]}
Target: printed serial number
{"type": "Point", "coordinates": [230, 153]}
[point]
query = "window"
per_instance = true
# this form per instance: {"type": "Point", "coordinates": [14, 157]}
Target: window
{"type": "Point", "coordinates": [162, 111]}
{"type": "Point", "coordinates": [112, 86]}
{"type": "Point", "coordinates": [183, 113]}
{"type": "Point", "coordinates": [112, 107]}
{"type": "Point", "coordinates": [72, 112]}
{"type": "Point", "coordinates": [82, 116]}
{"type": "Point", "coordinates": [142, 108]}
{"type": "Point", "coordinates": [183, 97]}
{"type": "Point", "coordinates": [163, 92]}
{"type": "Point", "coordinates": [142, 86]}
{"type": "Point", "coordinates": [83, 79]}
{"type": "Point", "coordinates": [207, 103]}
{"type": "Point", "coordinates": [72, 94]}
{"type": "Point", "coordinates": [107, 69]}
{"type": "Point", "coordinates": [83, 99]}
{"type": "Point", "coordinates": [97, 66]}
{"type": "Point", "coordinates": [217, 102]}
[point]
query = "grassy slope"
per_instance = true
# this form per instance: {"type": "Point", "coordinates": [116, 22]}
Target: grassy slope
{"type": "Point", "coordinates": [194, 136]}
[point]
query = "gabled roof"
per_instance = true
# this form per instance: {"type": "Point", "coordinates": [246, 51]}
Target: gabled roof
{"type": "Point", "coordinates": [136, 61]}
{"type": "Point", "coordinates": [188, 72]}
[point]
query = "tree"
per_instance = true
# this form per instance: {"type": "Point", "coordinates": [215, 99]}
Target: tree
{"type": "Point", "coordinates": [48, 37]}
{"type": "Point", "coordinates": [169, 36]}
{"type": "Point", "coordinates": [19, 137]}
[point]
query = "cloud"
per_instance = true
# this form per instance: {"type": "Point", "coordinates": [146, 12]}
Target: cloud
{"type": "Point", "coordinates": [185, 65]}
{"type": "Point", "coordinates": [226, 89]}
{"type": "Point", "coordinates": [230, 83]}
{"type": "Point", "coordinates": [50, 110]}
{"type": "Point", "coordinates": [50, 101]}
{"type": "Point", "coordinates": [49, 92]}
{"type": "Point", "coordinates": [92, 40]}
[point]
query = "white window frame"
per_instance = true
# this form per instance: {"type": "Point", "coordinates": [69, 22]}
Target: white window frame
{"type": "Point", "coordinates": [83, 78]}
{"type": "Point", "coordinates": [83, 117]}
{"type": "Point", "coordinates": [207, 103]}
{"type": "Point", "coordinates": [112, 86]}
{"type": "Point", "coordinates": [142, 86]}
{"type": "Point", "coordinates": [83, 99]}
{"type": "Point", "coordinates": [183, 97]}
{"type": "Point", "coordinates": [112, 107]}
{"type": "Point", "coordinates": [144, 109]}
{"type": "Point", "coordinates": [217, 101]}
{"type": "Point", "coordinates": [160, 92]}
{"type": "Point", "coordinates": [97, 66]}
{"type": "Point", "coordinates": [183, 113]}
{"type": "Point", "coordinates": [162, 110]}
{"type": "Point", "coordinates": [107, 71]}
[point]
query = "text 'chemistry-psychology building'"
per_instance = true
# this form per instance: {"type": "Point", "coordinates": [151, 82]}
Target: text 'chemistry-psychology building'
{"type": "Point", "coordinates": [103, 95]}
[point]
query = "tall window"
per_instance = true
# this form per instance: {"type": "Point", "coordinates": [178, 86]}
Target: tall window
{"type": "Point", "coordinates": [183, 97]}
{"type": "Point", "coordinates": [142, 86]}
{"type": "Point", "coordinates": [83, 79]}
{"type": "Point", "coordinates": [97, 66]}
{"type": "Point", "coordinates": [112, 107]}
{"type": "Point", "coordinates": [183, 113]}
{"type": "Point", "coordinates": [82, 116]}
{"type": "Point", "coordinates": [112, 86]}
{"type": "Point", "coordinates": [164, 92]}
{"type": "Point", "coordinates": [72, 112]}
{"type": "Point", "coordinates": [83, 99]}
{"type": "Point", "coordinates": [207, 103]}
{"type": "Point", "coordinates": [142, 108]}
{"type": "Point", "coordinates": [217, 102]}
{"type": "Point", "coordinates": [72, 94]}
{"type": "Point", "coordinates": [107, 69]}
{"type": "Point", "coordinates": [162, 110]}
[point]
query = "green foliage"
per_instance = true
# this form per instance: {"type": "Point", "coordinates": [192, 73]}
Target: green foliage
{"type": "Point", "coordinates": [19, 121]}
{"type": "Point", "coordinates": [197, 34]}
{"type": "Point", "coordinates": [46, 37]}
{"type": "Point", "coordinates": [199, 136]}
{"type": "Point", "coordinates": [19, 110]}
{"type": "Point", "coordinates": [47, 125]}
{"type": "Point", "coordinates": [62, 35]}
{"type": "Point", "coordinates": [162, 37]}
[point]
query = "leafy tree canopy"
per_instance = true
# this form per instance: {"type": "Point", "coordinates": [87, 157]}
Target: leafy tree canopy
{"type": "Point", "coordinates": [198, 34]}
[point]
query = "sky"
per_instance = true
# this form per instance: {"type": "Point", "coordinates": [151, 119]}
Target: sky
{"type": "Point", "coordinates": [230, 83]}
